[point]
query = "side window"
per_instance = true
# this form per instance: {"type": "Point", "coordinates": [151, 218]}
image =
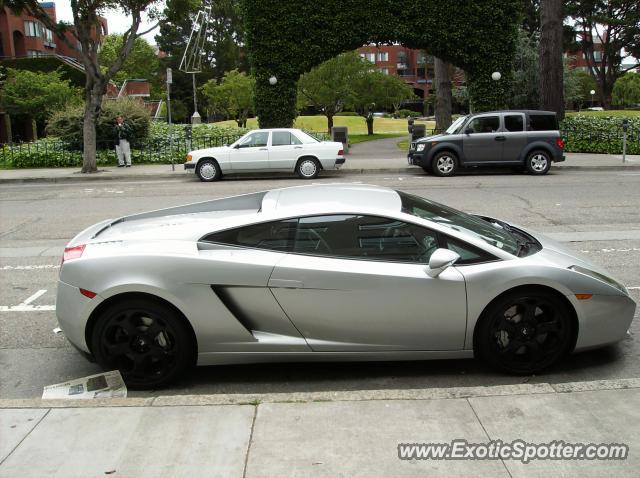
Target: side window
{"type": "Point", "coordinates": [514, 122]}
{"type": "Point", "coordinates": [295, 139]}
{"type": "Point", "coordinates": [254, 140]}
{"type": "Point", "coordinates": [485, 124]}
{"type": "Point", "coordinates": [365, 237]}
{"type": "Point", "coordinates": [280, 138]}
{"type": "Point", "coordinates": [276, 236]}
{"type": "Point", "coordinates": [468, 253]}
{"type": "Point", "coordinates": [543, 122]}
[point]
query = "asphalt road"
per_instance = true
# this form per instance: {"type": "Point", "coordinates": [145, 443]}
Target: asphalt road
{"type": "Point", "coordinates": [597, 212]}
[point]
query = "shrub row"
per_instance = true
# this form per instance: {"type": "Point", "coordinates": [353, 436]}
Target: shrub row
{"type": "Point", "coordinates": [589, 134]}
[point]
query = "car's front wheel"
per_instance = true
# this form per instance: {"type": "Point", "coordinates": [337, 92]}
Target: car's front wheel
{"type": "Point", "coordinates": [538, 163]}
{"type": "Point", "coordinates": [444, 164]}
{"type": "Point", "coordinates": [308, 168]}
{"type": "Point", "coordinates": [148, 342]}
{"type": "Point", "coordinates": [208, 170]}
{"type": "Point", "coordinates": [524, 332]}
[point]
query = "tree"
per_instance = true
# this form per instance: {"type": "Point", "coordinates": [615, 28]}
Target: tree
{"type": "Point", "coordinates": [88, 32]}
{"type": "Point", "coordinates": [444, 97]}
{"type": "Point", "coordinates": [551, 69]}
{"type": "Point", "coordinates": [524, 91]}
{"type": "Point", "coordinates": [35, 95]}
{"type": "Point", "coordinates": [577, 86]}
{"type": "Point", "coordinates": [626, 91]}
{"type": "Point", "coordinates": [613, 25]}
{"type": "Point", "coordinates": [330, 85]}
{"type": "Point", "coordinates": [234, 95]}
{"type": "Point", "coordinates": [142, 62]}
{"type": "Point", "coordinates": [375, 90]}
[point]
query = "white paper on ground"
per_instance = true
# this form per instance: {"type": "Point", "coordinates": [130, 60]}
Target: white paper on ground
{"type": "Point", "coordinates": [102, 385]}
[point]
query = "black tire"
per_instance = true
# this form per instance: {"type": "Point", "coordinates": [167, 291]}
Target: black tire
{"type": "Point", "coordinates": [308, 168]}
{"type": "Point", "coordinates": [524, 332]}
{"type": "Point", "coordinates": [208, 170]}
{"type": "Point", "coordinates": [146, 340]}
{"type": "Point", "coordinates": [538, 163]}
{"type": "Point", "coordinates": [444, 164]}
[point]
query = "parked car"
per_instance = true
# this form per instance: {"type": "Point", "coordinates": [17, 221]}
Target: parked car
{"type": "Point", "coordinates": [524, 139]}
{"type": "Point", "coordinates": [328, 272]}
{"type": "Point", "coordinates": [267, 150]}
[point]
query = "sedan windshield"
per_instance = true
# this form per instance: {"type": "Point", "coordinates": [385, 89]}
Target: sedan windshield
{"type": "Point", "coordinates": [460, 221]}
{"type": "Point", "coordinates": [456, 125]}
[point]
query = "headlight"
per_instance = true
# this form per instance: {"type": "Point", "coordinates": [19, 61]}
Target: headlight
{"type": "Point", "coordinates": [601, 277]}
{"type": "Point", "coordinates": [420, 147]}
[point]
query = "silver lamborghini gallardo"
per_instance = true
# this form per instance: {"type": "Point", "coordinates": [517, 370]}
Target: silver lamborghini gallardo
{"type": "Point", "coordinates": [328, 272]}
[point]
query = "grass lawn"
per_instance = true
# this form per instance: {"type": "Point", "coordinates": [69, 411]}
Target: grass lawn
{"type": "Point", "coordinates": [607, 113]}
{"type": "Point", "coordinates": [356, 124]}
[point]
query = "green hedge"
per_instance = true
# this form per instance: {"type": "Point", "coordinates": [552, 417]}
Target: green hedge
{"type": "Point", "coordinates": [589, 134]}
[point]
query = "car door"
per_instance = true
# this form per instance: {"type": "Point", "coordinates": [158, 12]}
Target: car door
{"type": "Point", "coordinates": [515, 136]}
{"type": "Point", "coordinates": [359, 283]}
{"type": "Point", "coordinates": [251, 153]}
{"type": "Point", "coordinates": [482, 140]}
{"type": "Point", "coordinates": [284, 150]}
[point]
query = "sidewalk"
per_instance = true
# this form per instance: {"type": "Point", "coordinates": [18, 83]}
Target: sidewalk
{"type": "Point", "coordinates": [362, 160]}
{"type": "Point", "coordinates": [349, 434]}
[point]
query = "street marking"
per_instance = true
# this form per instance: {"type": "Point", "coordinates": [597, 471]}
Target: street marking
{"type": "Point", "coordinates": [29, 268]}
{"type": "Point", "coordinates": [608, 250]}
{"type": "Point", "coordinates": [25, 306]}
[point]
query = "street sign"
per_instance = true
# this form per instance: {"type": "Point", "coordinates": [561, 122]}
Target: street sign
{"type": "Point", "coordinates": [169, 76]}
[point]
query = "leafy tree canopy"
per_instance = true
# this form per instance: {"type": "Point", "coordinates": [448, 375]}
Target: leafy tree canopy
{"type": "Point", "coordinates": [626, 91]}
{"type": "Point", "coordinates": [234, 95]}
{"type": "Point", "coordinates": [142, 62]}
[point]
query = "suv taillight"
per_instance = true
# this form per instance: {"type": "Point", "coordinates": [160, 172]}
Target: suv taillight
{"type": "Point", "coordinates": [560, 143]}
{"type": "Point", "coordinates": [71, 253]}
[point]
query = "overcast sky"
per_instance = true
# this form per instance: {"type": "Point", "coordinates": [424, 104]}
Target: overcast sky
{"type": "Point", "coordinates": [118, 21]}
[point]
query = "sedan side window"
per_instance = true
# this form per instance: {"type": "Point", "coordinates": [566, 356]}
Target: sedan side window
{"type": "Point", "coordinates": [276, 236]}
{"type": "Point", "coordinates": [284, 138]}
{"type": "Point", "coordinates": [485, 124]}
{"type": "Point", "coordinates": [365, 237]}
{"type": "Point", "coordinates": [254, 140]}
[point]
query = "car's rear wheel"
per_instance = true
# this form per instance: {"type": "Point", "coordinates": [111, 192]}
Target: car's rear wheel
{"type": "Point", "coordinates": [148, 342]}
{"type": "Point", "coordinates": [524, 332]}
{"type": "Point", "coordinates": [308, 168]}
{"type": "Point", "coordinates": [538, 163]}
{"type": "Point", "coordinates": [208, 170]}
{"type": "Point", "coordinates": [444, 164]}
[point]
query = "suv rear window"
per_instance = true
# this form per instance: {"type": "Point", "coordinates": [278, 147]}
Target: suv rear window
{"type": "Point", "coordinates": [543, 122]}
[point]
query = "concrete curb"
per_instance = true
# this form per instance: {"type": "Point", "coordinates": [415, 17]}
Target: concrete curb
{"type": "Point", "coordinates": [338, 396]}
{"type": "Point", "coordinates": [179, 175]}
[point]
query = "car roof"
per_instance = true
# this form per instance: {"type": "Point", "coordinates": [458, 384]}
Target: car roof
{"type": "Point", "coordinates": [331, 198]}
{"type": "Point", "coordinates": [527, 112]}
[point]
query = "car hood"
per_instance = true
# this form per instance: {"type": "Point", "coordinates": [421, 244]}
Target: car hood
{"type": "Point", "coordinates": [433, 137]}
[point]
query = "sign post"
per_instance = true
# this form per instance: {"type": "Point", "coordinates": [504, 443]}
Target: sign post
{"type": "Point", "coordinates": [169, 81]}
{"type": "Point", "coordinates": [625, 128]}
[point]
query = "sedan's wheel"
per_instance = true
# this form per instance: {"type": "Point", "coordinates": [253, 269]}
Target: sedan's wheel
{"type": "Point", "coordinates": [145, 340]}
{"type": "Point", "coordinates": [538, 163]}
{"type": "Point", "coordinates": [308, 168]}
{"type": "Point", "coordinates": [444, 164]}
{"type": "Point", "coordinates": [208, 170]}
{"type": "Point", "coordinates": [524, 332]}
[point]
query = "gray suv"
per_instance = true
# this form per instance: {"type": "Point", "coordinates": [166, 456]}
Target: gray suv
{"type": "Point", "coordinates": [524, 139]}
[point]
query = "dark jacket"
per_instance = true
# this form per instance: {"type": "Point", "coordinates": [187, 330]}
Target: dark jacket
{"type": "Point", "coordinates": [123, 131]}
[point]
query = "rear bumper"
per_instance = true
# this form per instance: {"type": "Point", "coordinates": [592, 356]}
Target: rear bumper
{"type": "Point", "coordinates": [340, 161]}
{"type": "Point", "coordinates": [73, 310]}
{"type": "Point", "coordinates": [558, 158]}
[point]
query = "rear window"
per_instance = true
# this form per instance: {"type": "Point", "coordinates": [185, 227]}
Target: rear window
{"type": "Point", "coordinates": [543, 122]}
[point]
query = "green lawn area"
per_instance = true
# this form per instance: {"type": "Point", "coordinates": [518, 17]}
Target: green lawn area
{"type": "Point", "coordinates": [356, 124]}
{"type": "Point", "coordinates": [607, 113]}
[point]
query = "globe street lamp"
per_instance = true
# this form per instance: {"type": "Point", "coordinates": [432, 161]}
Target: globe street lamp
{"type": "Point", "coordinates": [273, 80]}
{"type": "Point", "coordinates": [593, 92]}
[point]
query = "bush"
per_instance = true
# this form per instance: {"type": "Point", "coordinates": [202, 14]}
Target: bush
{"type": "Point", "coordinates": [403, 113]}
{"type": "Point", "coordinates": [590, 134]}
{"type": "Point", "coordinates": [67, 124]}
{"type": "Point", "coordinates": [347, 113]}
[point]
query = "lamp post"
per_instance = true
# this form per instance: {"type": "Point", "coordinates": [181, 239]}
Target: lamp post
{"type": "Point", "coordinates": [593, 92]}
{"type": "Point", "coordinates": [495, 76]}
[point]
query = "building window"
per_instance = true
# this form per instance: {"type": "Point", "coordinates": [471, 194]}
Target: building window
{"type": "Point", "coordinates": [385, 71]}
{"type": "Point", "coordinates": [383, 56]}
{"type": "Point", "coordinates": [32, 29]}
{"type": "Point", "coordinates": [597, 55]}
{"type": "Point", "coordinates": [34, 53]}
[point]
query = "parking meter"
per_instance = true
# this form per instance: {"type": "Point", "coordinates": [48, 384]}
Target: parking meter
{"type": "Point", "coordinates": [625, 128]}
{"type": "Point", "coordinates": [410, 122]}
{"type": "Point", "coordinates": [188, 132]}
{"type": "Point", "coordinates": [625, 125]}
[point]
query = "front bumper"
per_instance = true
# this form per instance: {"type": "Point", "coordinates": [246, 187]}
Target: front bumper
{"type": "Point", "coordinates": [415, 158]}
{"type": "Point", "coordinates": [603, 320]}
{"type": "Point", "coordinates": [188, 166]}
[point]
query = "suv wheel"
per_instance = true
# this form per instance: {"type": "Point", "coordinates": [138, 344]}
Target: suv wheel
{"type": "Point", "coordinates": [538, 163]}
{"type": "Point", "coordinates": [444, 164]}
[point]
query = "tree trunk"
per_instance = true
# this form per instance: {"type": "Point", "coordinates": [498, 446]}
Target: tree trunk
{"type": "Point", "coordinates": [444, 99]}
{"type": "Point", "coordinates": [370, 124]}
{"type": "Point", "coordinates": [92, 108]}
{"type": "Point", "coordinates": [551, 70]}
{"type": "Point", "coordinates": [329, 123]}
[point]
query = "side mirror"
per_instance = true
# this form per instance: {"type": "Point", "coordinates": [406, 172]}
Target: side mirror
{"type": "Point", "coordinates": [440, 260]}
{"type": "Point", "coordinates": [468, 131]}
{"type": "Point", "coordinates": [237, 146]}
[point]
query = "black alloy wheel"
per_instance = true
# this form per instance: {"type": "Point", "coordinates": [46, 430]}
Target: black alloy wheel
{"type": "Point", "coordinates": [146, 341]}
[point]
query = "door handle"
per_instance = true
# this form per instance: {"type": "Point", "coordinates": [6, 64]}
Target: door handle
{"type": "Point", "coordinates": [297, 147]}
{"type": "Point", "coordinates": [263, 149]}
{"type": "Point", "coordinates": [500, 138]}
{"type": "Point", "coordinates": [285, 284]}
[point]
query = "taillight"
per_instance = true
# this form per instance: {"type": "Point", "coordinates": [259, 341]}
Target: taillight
{"type": "Point", "coordinates": [341, 152]}
{"type": "Point", "coordinates": [560, 143]}
{"type": "Point", "coordinates": [71, 253]}
{"type": "Point", "coordinates": [88, 293]}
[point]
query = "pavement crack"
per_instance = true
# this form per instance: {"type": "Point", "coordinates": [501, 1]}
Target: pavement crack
{"type": "Point", "coordinates": [20, 226]}
{"type": "Point", "coordinates": [25, 437]}
{"type": "Point", "coordinates": [487, 434]}
{"type": "Point", "coordinates": [253, 424]}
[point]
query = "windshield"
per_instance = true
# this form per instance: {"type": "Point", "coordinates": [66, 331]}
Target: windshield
{"type": "Point", "coordinates": [459, 221]}
{"type": "Point", "coordinates": [456, 125]}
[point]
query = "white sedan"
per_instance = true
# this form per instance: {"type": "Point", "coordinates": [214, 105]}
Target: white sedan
{"type": "Point", "coordinates": [275, 150]}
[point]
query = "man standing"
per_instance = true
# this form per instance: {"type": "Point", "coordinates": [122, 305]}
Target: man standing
{"type": "Point", "coordinates": [123, 134]}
